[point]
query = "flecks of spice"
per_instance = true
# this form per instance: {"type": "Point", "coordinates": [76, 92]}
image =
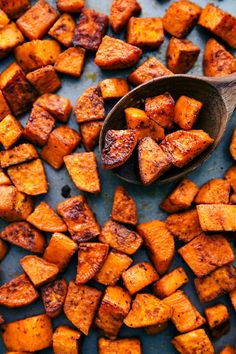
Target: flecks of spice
{"type": "Point", "coordinates": [65, 191]}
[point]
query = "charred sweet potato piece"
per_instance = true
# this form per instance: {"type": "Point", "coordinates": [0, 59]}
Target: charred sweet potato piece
{"type": "Point", "coordinates": [215, 284]}
{"type": "Point", "coordinates": [170, 282]}
{"type": "Point", "coordinates": [24, 235]}
{"type": "Point", "coordinates": [115, 264]}
{"type": "Point", "coordinates": [61, 142]}
{"type": "Point", "coordinates": [70, 5]}
{"type": "Point", "coordinates": [232, 147]}
{"type": "Point", "coordinates": [79, 218]}
{"type": "Point", "coordinates": [215, 191]}
{"type": "Point", "coordinates": [31, 334]}
{"type": "Point", "coordinates": [181, 55]}
{"type": "Point", "coordinates": [83, 170]}
{"type": "Point", "coordinates": [232, 296]}
{"type": "Point", "coordinates": [14, 9]}
{"type": "Point", "coordinates": [63, 30]}
{"type": "Point", "coordinates": [217, 61]}
{"type": "Point", "coordinates": [90, 132]}
{"type": "Point", "coordinates": [10, 38]}
{"type": "Point", "coordinates": [186, 112]}
{"type": "Point", "coordinates": [147, 310]}
{"type": "Point", "coordinates": [139, 276]}
{"type": "Point", "coordinates": [230, 176]}
{"type": "Point", "coordinates": [29, 177]}
{"type": "Point", "coordinates": [114, 308]}
{"type": "Point", "coordinates": [66, 340]}
{"type": "Point", "coordinates": [82, 311]}
{"type": "Point", "coordinates": [18, 292]}
{"type": "Point", "coordinates": [217, 217]}
{"type": "Point", "coordinates": [18, 154]}
{"type": "Point", "coordinates": [53, 296]}
{"type": "Point", "coordinates": [90, 106]}
{"type": "Point", "coordinates": [159, 242]}
{"type": "Point", "coordinates": [36, 21]}
{"type": "Point", "coordinates": [44, 218]}
{"type": "Point", "coordinates": [183, 146]}
{"type": "Point", "coordinates": [185, 316]}
{"type": "Point", "coordinates": [10, 131]}
{"type": "Point", "coordinates": [38, 270]}
{"type": "Point", "coordinates": [124, 345]}
{"type": "Point", "coordinates": [150, 69]}
{"type": "Point", "coordinates": [206, 253]}
{"type": "Point", "coordinates": [228, 349]}
{"type": "Point", "coordinates": [145, 33]}
{"type": "Point", "coordinates": [4, 19]}
{"type": "Point", "coordinates": [4, 249]}
{"type": "Point", "coordinates": [124, 209]}
{"type": "Point", "coordinates": [220, 23]}
{"type": "Point", "coordinates": [91, 257]}
{"type": "Point", "coordinates": [118, 147]}
{"type": "Point", "coordinates": [4, 180]}
{"type": "Point", "coordinates": [71, 62]}
{"type": "Point", "coordinates": [218, 319]}
{"type": "Point", "coordinates": [45, 79]}
{"type": "Point", "coordinates": [161, 109]}
{"type": "Point", "coordinates": [121, 12]}
{"type": "Point", "coordinates": [59, 107]}
{"type": "Point", "coordinates": [193, 342]}
{"type": "Point", "coordinates": [114, 53]}
{"type": "Point", "coordinates": [4, 108]}
{"type": "Point", "coordinates": [113, 88]}
{"type": "Point", "coordinates": [120, 238]}
{"type": "Point", "coordinates": [180, 17]}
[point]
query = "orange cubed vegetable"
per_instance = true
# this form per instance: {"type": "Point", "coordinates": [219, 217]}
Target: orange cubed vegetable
{"type": "Point", "coordinates": [53, 296]}
{"type": "Point", "coordinates": [218, 319]}
{"type": "Point", "coordinates": [90, 133]}
{"type": "Point", "coordinates": [63, 30]}
{"type": "Point", "coordinates": [90, 106]}
{"type": "Point", "coordinates": [14, 9]}
{"type": "Point", "coordinates": [72, 6]}
{"type": "Point", "coordinates": [71, 62]}
{"type": "Point", "coordinates": [4, 108]}
{"type": "Point", "coordinates": [217, 217]}
{"type": "Point", "coordinates": [121, 12]}
{"type": "Point", "coordinates": [10, 131]}
{"type": "Point", "coordinates": [170, 282]}
{"type": "Point", "coordinates": [230, 176]}
{"type": "Point", "coordinates": [161, 109]}
{"type": "Point", "coordinates": [124, 209]}
{"type": "Point", "coordinates": [186, 112]}
{"type": "Point", "coordinates": [10, 38]}
{"type": "Point", "coordinates": [44, 80]}
{"type": "Point", "coordinates": [113, 88]}
{"type": "Point", "coordinates": [193, 342]}
{"type": "Point", "coordinates": [59, 107]}
{"type": "Point", "coordinates": [18, 154]}
{"type": "Point", "coordinates": [215, 191]}
{"type": "Point", "coordinates": [66, 340]}
{"type": "Point", "coordinates": [124, 345]}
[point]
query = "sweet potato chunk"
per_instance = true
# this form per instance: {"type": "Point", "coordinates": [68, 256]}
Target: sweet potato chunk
{"type": "Point", "coordinates": [61, 142]}
{"type": "Point", "coordinates": [4, 108]}
{"type": "Point", "coordinates": [228, 349]}
{"type": "Point", "coordinates": [114, 308]}
{"type": "Point", "coordinates": [232, 147]}
{"type": "Point", "coordinates": [147, 310]}
{"type": "Point", "coordinates": [45, 79]}
{"type": "Point", "coordinates": [10, 38]}
{"type": "Point", "coordinates": [83, 170]}
{"type": "Point", "coordinates": [91, 257]}
{"type": "Point", "coordinates": [206, 253]}
{"type": "Point", "coordinates": [121, 12]}
{"type": "Point", "coordinates": [185, 316]}
{"type": "Point", "coordinates": [38, 270]}
{"type": "Point", "coordinates": [159, 242]}
{"type": "Point", "coordinates": [66, 340]}
{"type": "Point", "coordinates": [215, 284]}
{"type": "Point", "coordinates": [218, 319]}
{"type": "Point", "coordinates": [215, 191]}
{"type": "Point", "coordinates": [90, 106]}
{"type": "Point", "coordinates": [79, 218]}
{"type": "Point", "coordinates": [14, 9]}
{"type": "Point", "coordinates": [120, 238]}
{"type": "Point", "coordinates": [183, 146]}
{"type": "Point", "coordinates": [161, 109]}
{"type": "Point", "coordinates": [230, 176]}
{"type": "Point", "coordinates": [180, 17]}
{"type": "Point", "coordinates": [150, 69]}
{"type": "Point", "coordinates": [36, 21]}
{"type": "Point", "coordinates": [90, 132]}
{"type": "Point", "coordinates": [186, 112]}
{"type": "Point", "coordinates": [114, 53]}
{"type": "Point", "coordinates": [81, 311]}
{"type": "Point", "coordinates": [124, 209]}
{"type": "Point", "coordinates": [124, 345]}
{"type": "Point", "coordinates": [18, 154]}
{"type": "Point", "coordinates": [44, 218]}
{"type": "Point", "coordinates": [217, 217]}
{"type": "Point", "coordinates": [10, 131]}
{"type": "Point", "coordinates": [70, 5]}
{"type": "Point", "coordinates": [170, 282]}
{"type": "Point", "coordinates": [115, 264]}
{"type": "Point", "coordinates": [53, 296]}
{"type": "Point", "coordinates": [193, 342]}
{"type": "Point", "coordinates": [4, 249]}
{"type": "Point", "coordinates": [139, 276]}
{"type": "Point", "coordinates": [4, 180]}
{"type": "Point", "coordinates": [71, 62]}
{"type": "Point", "coordinates": [118, 147]}
{"type": "Point", "coordinates": [4, 19]}
{"type": "Point", "coordinates": [63, 30]}
{"type": "Point", "coordinates": [113, 88]}
{"type": "Point", "coordinates": [31, 334]}
{"type": "Point", "coordinates": [217, 61]}
{"type": "Point", "coordinates": [59, 107]}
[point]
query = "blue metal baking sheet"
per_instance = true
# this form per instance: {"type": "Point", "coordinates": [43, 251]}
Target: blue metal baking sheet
{"type": "Point", "coordinates": [148, 199]}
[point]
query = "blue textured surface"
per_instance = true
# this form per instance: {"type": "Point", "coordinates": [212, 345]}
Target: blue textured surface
{"type": "Point", "coordinates": [147, 199]}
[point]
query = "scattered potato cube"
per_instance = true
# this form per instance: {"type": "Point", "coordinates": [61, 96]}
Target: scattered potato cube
{"type": "Point", "coordinates": [228, 349]}
{"type": "Point", "coordinates": [71, 62]}
{"type": "Point", "coordinates": [4, 108]}
{"type": "Point", "coordinates": [217, 217]}
{"type": "Point", "coordinates": [170, 282]}
{"type": "Point", "coordinates": [232, 296]}
{"type": "Point", "coordinates": [53, 296]}
{"type": "Point", "coordinates": [66, 340]}
{"type": "Point", "coordinates": [63, 30]}
{"type": "Point", "coordinates": [72, 6]}
{"type": "Point", "coordinates": [10, 131]}
{"type": "Point", "coordinates": [186, 112]}
{"type": "Point", "coordinates": [59, 107]}
{"type": "Point", "coordinates": [124, 345]}
{"type": "Point", "coordinates": [3, 250]}
{"type": "Point", "coordinates": [18, 154]}
{"type": "Point", "coordinates": [215, 191]}
{"type": "Point", "coordinates": [193, 342]}
{"type": "Point", "coordinates": [4, 180]}
{"type": "Point", "coordinates": [218, 319]}
{"type": "Point", "coordinates": [45, 79]}
{"type": "Point", "coordinates": [90, 106]}
{"type": "Point", "coordinates": [232, 147]}
{"type": "Point", "coordinates": [14, 9]}
{"type": "Point", "coordinates": [4, 19]}
{"type": "Point", "coordinates": [124, 209]}
{"type": "Point", "coordinates": [113, 88]}
{"type": "Point", "coordinates": [121, 12]}
{"type": "Point", "coordinates": [161, 109]}
{"type": "Point", "coordinates": [90, 133]}
{"type": "Point", "coordinates": [230, 176]}
{"type": "Point", "coordinates": [10, 38]}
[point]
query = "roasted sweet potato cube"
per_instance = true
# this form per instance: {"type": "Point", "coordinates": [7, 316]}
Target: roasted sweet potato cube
{"type": "Point", "coordinates": [232, 296]}
{"type": "Point", "coordinates": [118, 147]}
{"type": "Point", "coordinates": [82, 311]}
{"type": "Point", "coordinates": [46, 219]}
{"type": "Point", "coordinates": [59, 107]}
{"type": "Point", "coordinates": [139, 276]}
{"type": "Point", "coordinates": [220, 23]}
{"type": "Point", "coordinates": [114, 53]}
{"type": "Point", "coordinates": [91, 257]}
{"type": "Point", "coordinates": [124, 345]}
{"type": "Point", "coordinates": [45, 79]}
{"type": "Point", "coordinates": [150, 69]}
{"type": "Point", "coordinates": [232, 147]}
{"type": "Point", "coordinates": [72, 6]}
{"type": "Point", "coordinates": [53, 296]}
{"type": "Point", "coordinates": [79, 218]}
{"type": "Point", "coordinates": [4, 19]}
{"type": "Point", "coordinates": [180, 17]}
{"type": "Point", "coordinates": [36, 21]}
{"type": "Point", "coordinates": [115, 264]}
{"type": "Point", "coordinates": [10, 131]}
{"type": "Point", "coordinates": [230, 176]}
{"type": "Point", "coordinates": [215, 191]}
{"type": "Point", "coordinates": [120, 238]}
{"type": "Point", "coordinates": [186, 112]}
{"type": "Point", "coordinates": [4, 180]}
{"type": "Point", "coordinates": [24, 235]}
{"type": "Point", "coordinates": [170, 282]}
{"type": "Point", "coordinates": [113, 88]}
{"type": "Point", "coordinates": [137, 119]}
{"type": "Point", "coordinates": [18, 292]}
{"type": "Point", "coordinates": [161, 109]}
{"type": "Point", "coordinates": [18, 154]}
{"type": "Point", "coordinates": [14, 9]}
{"type": "Point", "coordinates": [4, 108]}
{"type": "Point", "coordinates": [215, 284]}
{"type": "Point", "coordinates": [10, 38]}
{"type": "Point", "coordinates": [29, 177]}
{"type": "Point", "coordinates": [217, 217]}
{"type": "Point", "coordinates": [114, 308]}
{"type": "Point", "coordinates": [66, 340]}
{"type": "Point", "coordinates": [159, 242]}
{"type": "Point", "coordinates": [71, 62]}
{"type": "Point", "coordinates": [193, 342]}
{"type": "Point", "coordinates": [90, 106]}
{"type": "Point", "coordinates": [185, 316]}
{"type": "Point", "coordinates": [228, 349]}
{"type": "Point", "coordinates": [217, 61]}
{"type": "Point", "coordinates": [218, 319]}
{"type": "Point", "coordinates": [121, 12]}
{"type": "Point", "coordinates": [147, 310]}
{"type": "Point", "coordinates": [4, 249]}
{"type": "Point", "coordinates": [90, 132]}
{"type": "Point", "coordinates": [124, 209]}
{"type": "Point", "coordinates": [183, 146]}
{"type": "Point", "coordinates": [63, 30]}
{"type": "Point", "coordinates": [31, 334]}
